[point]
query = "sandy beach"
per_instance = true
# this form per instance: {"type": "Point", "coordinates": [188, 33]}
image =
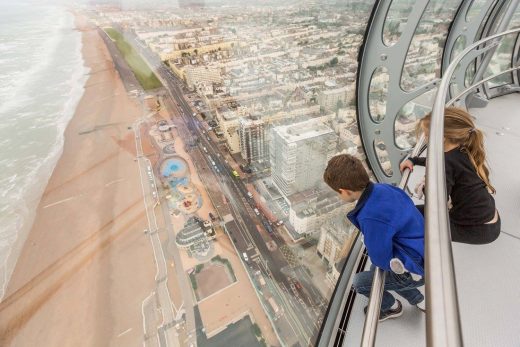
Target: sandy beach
{"type": "Point", "coordinates": [86, 265]}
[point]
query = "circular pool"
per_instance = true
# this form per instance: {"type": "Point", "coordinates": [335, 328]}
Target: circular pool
{"type": "Point", "coordinates": [176, 167]}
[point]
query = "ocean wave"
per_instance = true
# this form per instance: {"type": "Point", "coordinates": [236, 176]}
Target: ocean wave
{"type": "Point", "coordinates": [24, 189]}
{"type": "Point", "coordinates": [46, 47]}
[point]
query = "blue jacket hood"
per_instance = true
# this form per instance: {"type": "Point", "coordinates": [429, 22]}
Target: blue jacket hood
{"type": "Point", "coordinates": [391, 225]}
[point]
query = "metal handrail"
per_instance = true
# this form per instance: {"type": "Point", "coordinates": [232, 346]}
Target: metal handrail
{"type": "Point", "coordinates": [474, 86]}
{"type": "Point", "coordinates": [442, 319]}
{"type": "Point", "coordinates": [443, 326]}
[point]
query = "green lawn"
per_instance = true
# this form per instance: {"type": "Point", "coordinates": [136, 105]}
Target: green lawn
{"type": "Point", "coordinates": [141, 70]}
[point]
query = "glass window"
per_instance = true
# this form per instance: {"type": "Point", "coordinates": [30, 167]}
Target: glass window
{"type": "Point", "coordinates": [422, 63]}
{"type": "Point", "coordinates": [503, 56]}
{"type": "Point", "coordinates": [474, 9]}
{"type": "Point", "coordinates": [458, 47]}
{"type": "Point", "coordinates": [408, 116]}
{"type": "Point", "coordinates": [396, 20]}
{"type": "Point", "coordinates": [188, 206]}
{"type": "Point", "coordinates": [378, 94]}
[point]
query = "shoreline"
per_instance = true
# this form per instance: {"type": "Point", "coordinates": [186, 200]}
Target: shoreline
{"type": "Point", "coordinates": [30, 196]}
{"type": "Point", "coordinates": [86, 265]}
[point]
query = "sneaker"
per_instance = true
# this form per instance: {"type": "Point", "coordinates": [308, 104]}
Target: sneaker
{"type": "Point", "coordinates": [421, 306]}
{"type": "Point", "coordinates": [416, 277]}
{"type": "Point", "coordinates": [391, 313]}
{"type": "Point", "coordinates": [397, 267]}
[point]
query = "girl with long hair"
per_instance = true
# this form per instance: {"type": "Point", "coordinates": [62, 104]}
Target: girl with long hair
{"type": "Point", "coordinates": [473, 215]}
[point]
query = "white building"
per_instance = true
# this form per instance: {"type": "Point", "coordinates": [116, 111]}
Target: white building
{"type": "Point", "coordinates": [309, 210]}
{"type": "Point", "coordinates": [299, 154]}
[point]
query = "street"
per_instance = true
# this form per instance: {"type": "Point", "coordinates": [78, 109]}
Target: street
{"type": "Point", "coordinates": [301, 312]}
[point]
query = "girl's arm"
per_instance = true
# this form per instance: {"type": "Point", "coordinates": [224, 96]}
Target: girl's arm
{"type": "Point", "coordinates": [421, 161]}
{"type": "Point", "coordinates": [410, 162]}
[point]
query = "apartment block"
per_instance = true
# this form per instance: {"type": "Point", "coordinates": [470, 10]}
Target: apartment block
{"type": "Point", "coordinates": [299, 154]}
{"type": "Point", "coordinates": [254, 145]}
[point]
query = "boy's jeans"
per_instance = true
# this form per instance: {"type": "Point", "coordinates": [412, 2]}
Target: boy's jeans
{"type": "Point", "coordinates": [403, 285]}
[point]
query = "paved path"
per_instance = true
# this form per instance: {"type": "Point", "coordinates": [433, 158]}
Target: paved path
{"type": "Point", "coordinates": [167, 334]}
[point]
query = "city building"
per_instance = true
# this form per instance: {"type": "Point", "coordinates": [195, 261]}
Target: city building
{"type": "Point", "coordinates": [332, 96]}
{"type": "Point", "coordinates": [336, 237]}
{"type": "Point", "coordinates": [309, 210]}
{"type": "Point", "coordinates": [195, 236]}
{"type": "Point", "coordinates": [201, 74]}
{"type": "Point", "coordinates": [254, 145]}
{"type": "Point", "coordinates": [229, 124]}
{"type": "Point", "coordinates": [299, 154]}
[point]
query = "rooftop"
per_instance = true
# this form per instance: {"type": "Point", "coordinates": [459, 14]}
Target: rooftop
{"type": "Point", "coordinates": [303, 130]}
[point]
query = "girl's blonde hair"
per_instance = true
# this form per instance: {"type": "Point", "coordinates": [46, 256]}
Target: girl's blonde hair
{"type": "Point", "coordinates": [460, 129]}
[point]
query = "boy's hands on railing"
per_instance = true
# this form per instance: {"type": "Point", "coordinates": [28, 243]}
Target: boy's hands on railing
{"type": "Point", "coordinates": [406, 164]}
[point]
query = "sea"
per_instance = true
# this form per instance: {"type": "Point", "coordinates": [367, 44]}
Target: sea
{"type": "Point", "coordinates": [42, 78]}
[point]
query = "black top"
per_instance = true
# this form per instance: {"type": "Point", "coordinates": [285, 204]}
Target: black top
{"type": "Point", "coordinates": [471, 201]}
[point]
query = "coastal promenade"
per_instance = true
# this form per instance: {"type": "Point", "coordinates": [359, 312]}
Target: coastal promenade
{"type": "Point", "coordinates": [165, 334]}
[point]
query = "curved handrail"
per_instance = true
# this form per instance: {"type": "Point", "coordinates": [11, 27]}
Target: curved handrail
{"type": "Point", "coordinates": [459, 96]}
{"type": "Point", "coordinates": [443, 326]}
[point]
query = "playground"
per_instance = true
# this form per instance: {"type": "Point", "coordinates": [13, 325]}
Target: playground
{"type": "Point", "coordinates": [184, 197]}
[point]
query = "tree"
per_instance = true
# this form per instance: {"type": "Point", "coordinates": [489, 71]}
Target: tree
{"type": "Point", "coordinates": [334, 61]}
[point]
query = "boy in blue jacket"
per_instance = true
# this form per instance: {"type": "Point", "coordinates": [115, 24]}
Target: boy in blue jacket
{"type": "Point", "coordinates": [393, 231]}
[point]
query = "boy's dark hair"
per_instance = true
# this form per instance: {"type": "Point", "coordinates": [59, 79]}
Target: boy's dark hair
{"type": "Point", "coordinates": [346, 172]}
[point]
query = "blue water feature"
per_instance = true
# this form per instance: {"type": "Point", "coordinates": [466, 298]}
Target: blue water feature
{"type": "Point", "coordinates": [173, 167]}
{"type": "Point", "coordinates": [176, 181]}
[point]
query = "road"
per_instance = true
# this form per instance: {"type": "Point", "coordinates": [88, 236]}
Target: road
{"type": "Point", "coordinates": [242, 229]}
